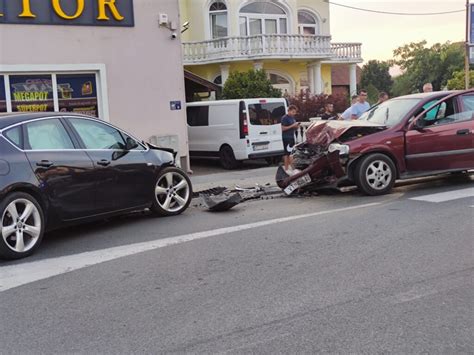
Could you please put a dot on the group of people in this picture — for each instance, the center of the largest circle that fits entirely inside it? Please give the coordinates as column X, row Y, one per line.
column 359, row 105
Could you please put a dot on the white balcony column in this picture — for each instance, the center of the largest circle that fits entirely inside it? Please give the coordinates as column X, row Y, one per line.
column 311, row 78
column 258, row 65
column 224, row 73
column 353, row 79
column 317, row 78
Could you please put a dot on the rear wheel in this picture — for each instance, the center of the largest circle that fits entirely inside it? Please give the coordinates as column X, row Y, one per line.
column 227, row 158
column 375, row 174
column 173, row 192
column 22, row 225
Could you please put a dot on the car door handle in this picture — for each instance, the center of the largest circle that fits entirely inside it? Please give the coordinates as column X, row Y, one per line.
column 44, row 163
column 103, row 162
column 463, row 132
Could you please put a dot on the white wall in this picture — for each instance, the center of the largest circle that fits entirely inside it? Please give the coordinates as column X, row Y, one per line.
column 143, row 65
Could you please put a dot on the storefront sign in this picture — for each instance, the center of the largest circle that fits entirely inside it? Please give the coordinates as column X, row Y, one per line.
column 471, row 24
column 31, row 93
column 67, row 12
column 77, row 93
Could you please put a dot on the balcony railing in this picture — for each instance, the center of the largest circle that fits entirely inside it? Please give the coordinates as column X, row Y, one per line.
column 279, row 46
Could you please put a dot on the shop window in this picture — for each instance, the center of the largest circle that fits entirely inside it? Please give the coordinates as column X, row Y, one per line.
column 31, row 93
column 78, row 93
column 3, row 96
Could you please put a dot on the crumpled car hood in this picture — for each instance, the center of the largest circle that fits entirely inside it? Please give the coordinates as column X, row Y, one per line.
column 323, row 133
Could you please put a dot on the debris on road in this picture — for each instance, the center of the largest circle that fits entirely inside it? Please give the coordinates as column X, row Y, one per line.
column 221, row 202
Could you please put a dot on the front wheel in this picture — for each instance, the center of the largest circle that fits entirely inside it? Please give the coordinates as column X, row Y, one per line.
column 173, row 192
column 375, row 174
column 21, row 225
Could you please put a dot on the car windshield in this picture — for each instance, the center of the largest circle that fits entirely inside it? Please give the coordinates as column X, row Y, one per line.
column 391, row 112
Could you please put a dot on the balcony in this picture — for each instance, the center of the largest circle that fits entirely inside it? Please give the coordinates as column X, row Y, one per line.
column 275, row 46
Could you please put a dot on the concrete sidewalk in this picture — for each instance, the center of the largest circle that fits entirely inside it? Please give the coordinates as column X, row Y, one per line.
column 229, row 179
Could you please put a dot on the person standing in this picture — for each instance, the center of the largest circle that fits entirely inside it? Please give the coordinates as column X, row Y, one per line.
column 328, row 112
column 360, row 106
column 346, row 115
column 288, row 128
column 428, row 87
column 383, row 96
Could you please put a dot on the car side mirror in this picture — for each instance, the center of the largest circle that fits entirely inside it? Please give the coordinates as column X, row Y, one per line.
column 130, row 144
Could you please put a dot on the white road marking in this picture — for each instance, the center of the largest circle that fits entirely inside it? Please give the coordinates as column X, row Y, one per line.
column 446, row 196
column 22, row 274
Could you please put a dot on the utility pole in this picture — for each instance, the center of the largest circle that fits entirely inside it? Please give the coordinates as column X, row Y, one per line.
column 466, row 59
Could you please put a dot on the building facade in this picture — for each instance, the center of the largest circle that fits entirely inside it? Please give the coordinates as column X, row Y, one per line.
column 290, row 39
column 110, row 59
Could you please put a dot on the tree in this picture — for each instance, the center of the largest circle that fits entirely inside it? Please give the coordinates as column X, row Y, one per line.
column 376, row 73
column 310, row 105
column 457, row 81
column 401, row 85
column 435, row 64
column 250, row 84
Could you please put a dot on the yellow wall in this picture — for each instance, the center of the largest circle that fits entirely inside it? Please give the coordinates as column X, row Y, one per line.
column 294, row 69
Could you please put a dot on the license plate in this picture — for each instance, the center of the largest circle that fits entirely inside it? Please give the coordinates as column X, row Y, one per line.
column 260, row 147
column 302, row 181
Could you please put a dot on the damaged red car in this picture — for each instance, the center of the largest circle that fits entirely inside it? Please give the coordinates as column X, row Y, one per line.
column 405, row 137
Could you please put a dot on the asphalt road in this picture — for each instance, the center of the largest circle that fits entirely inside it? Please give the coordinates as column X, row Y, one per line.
column 335, row 273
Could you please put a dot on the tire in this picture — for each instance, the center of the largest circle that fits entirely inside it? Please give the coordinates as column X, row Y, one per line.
column 227, row 158
column 22, row 219
column 375, row 174
column 173, row 192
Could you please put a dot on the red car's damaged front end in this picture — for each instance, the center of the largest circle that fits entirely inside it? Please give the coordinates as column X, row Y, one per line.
column 323, row 159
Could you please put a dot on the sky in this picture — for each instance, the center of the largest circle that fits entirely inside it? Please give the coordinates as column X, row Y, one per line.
column 380, row 34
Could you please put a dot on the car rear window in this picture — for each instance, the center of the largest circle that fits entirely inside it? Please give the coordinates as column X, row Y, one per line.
column 266, row 114
column 14, row 136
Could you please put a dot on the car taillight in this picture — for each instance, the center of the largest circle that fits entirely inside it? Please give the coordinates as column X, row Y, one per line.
column 245, row 126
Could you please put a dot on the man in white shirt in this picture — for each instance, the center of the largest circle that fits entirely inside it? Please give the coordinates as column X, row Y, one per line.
column 346, row 115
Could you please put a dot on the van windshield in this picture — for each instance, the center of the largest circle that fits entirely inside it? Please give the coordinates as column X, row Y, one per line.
column 266, row 114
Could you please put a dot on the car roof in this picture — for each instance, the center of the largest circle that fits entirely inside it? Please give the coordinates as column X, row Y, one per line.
column 9, row 119
column 428, row 95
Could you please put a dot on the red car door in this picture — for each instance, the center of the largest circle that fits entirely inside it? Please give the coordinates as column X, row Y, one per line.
column 444, row 141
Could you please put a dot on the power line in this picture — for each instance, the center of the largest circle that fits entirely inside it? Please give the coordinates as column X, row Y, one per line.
column 396, row 13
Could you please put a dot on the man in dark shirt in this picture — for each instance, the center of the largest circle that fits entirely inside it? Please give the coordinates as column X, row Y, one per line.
column 329, row 112
column 288, row 128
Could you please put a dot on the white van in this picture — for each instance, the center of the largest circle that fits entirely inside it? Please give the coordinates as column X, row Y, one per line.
column 236, row 130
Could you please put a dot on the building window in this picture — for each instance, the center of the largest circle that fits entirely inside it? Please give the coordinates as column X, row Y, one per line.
column 34, row 93
column 31, row 93
column 261, row 17
column 77, row 93
column 307, row 23
column 218, row 19
column 3, row 96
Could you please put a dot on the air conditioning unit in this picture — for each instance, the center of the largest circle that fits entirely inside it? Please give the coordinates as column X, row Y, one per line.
column 171, row 141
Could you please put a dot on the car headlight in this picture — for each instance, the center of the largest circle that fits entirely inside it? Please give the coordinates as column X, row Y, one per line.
column 342, row 148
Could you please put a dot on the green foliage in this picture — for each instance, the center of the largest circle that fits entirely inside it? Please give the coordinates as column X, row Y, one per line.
column 247, row 85
column 457, row 81
column 435, row 64
column 377, row 74
column 310, row 105
column 402, row 85
column 372, row 94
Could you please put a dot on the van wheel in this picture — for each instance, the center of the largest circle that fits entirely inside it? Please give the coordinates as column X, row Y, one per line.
column 227, row 158
column 375, row 174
